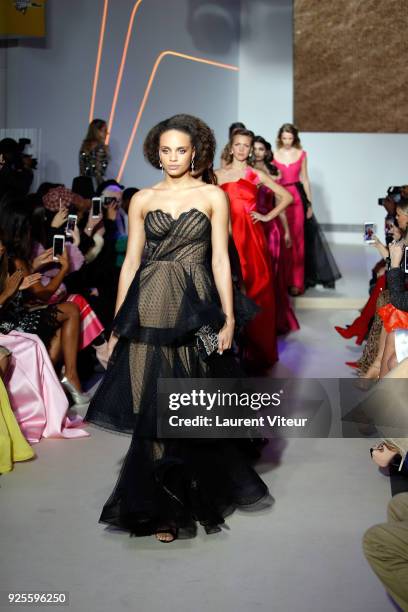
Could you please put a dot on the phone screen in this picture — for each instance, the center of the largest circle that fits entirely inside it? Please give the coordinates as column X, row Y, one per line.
column 58, row 245
column 369, row 232
column 109, row 200
column 71, row 223
column 96, row 207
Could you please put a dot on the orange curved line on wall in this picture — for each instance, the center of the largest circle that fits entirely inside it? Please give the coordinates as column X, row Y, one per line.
column 160, row 57
column 98, row 59
column 122, row 66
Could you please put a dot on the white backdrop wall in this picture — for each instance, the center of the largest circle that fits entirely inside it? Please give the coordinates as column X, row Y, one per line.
column 50, row 83
column 49, row 87
column 349, row 172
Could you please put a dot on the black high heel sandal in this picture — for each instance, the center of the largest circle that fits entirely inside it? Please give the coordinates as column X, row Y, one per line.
column 172, row 532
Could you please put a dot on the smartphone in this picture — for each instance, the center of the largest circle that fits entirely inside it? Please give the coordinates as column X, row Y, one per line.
column 369, row 232
column 58, row 245
column 96, row 207
column 108, row 200
column 406, row 260
column 71, row 224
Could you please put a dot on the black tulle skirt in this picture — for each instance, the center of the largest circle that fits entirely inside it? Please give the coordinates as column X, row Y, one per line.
column 320, row 265
column 171, row 484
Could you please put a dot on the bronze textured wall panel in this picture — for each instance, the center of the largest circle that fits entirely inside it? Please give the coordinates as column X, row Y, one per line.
column 351, row 65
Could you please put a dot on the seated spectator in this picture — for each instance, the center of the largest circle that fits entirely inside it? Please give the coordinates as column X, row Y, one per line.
column 111, row 193
column 386, row 549
column 36, row 395
column 13, row 445
column 57, row 326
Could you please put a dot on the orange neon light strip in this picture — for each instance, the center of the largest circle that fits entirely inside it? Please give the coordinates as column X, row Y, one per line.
column 162, row 55
column 122, row 67
column 98, row 59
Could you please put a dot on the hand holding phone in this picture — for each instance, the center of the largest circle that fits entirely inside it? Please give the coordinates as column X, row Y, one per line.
column 96, row 207
column 71, row 224
column 369, row 232
column 58, row 246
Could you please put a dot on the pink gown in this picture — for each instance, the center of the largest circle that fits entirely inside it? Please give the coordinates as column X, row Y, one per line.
column 290, row 175
column 275, row 236
column 36, row 396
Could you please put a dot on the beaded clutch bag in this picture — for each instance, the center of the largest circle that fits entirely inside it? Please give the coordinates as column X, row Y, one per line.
column 207, row 341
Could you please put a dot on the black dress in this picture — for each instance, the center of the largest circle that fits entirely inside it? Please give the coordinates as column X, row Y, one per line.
column 320, row 266
column 170, row 484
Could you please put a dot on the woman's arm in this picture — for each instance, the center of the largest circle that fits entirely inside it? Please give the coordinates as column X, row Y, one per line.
column 381, row 248
column 221, row 265
column 283, row 196
column 135, row 245
column 38, row 290
column 133, row 258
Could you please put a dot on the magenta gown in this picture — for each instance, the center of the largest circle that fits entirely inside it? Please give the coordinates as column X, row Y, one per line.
column 275, row 236
column 290, row 175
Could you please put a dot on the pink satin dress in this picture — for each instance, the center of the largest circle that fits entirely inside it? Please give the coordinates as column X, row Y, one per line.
column 35, row 393
column 290, row 174
column 275, row 236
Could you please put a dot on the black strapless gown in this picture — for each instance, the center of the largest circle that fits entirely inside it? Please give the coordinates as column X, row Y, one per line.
column 171, row 484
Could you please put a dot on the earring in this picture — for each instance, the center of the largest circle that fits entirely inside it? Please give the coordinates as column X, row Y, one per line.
column 161, row 166
column 192, row 163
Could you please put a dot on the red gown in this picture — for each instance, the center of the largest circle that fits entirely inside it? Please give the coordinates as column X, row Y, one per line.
column 250, row 241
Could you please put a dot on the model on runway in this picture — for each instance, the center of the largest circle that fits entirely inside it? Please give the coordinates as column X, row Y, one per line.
column 240, row 181
column 166, row 485
column 310, row 260
column 278, row 237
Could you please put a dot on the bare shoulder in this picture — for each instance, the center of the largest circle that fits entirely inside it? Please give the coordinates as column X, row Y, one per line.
column 140, row 200
column 217, row 199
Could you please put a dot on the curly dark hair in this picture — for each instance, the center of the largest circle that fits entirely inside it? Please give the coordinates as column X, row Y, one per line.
column 202, row 139
column 292, row 129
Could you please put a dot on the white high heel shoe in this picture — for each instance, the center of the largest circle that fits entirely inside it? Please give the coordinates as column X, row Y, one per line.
column 78, row 397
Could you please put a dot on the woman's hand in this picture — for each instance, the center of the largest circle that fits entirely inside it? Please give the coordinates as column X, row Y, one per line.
column 226, row 336
column 256, row 216
column 309, row 212
column 31, row 279
column 396, row 252
column 288, row 239
column 45, row 258
column 112, row 343
column 112, row 211
column 60, row 218
column 92, row 223
column 13, row 283
column 63, row 260
column 381, row 248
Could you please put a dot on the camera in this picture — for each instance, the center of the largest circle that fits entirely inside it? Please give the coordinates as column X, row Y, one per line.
column 16, row 155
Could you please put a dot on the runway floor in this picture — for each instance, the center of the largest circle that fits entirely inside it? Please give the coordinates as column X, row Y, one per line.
column 302, row 554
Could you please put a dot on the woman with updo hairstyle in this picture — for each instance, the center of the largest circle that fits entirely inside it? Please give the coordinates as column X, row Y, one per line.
column 241, row 182
column 310, row 261
column 174, row 319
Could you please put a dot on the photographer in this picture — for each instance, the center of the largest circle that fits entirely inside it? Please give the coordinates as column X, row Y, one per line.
column 16, row 172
